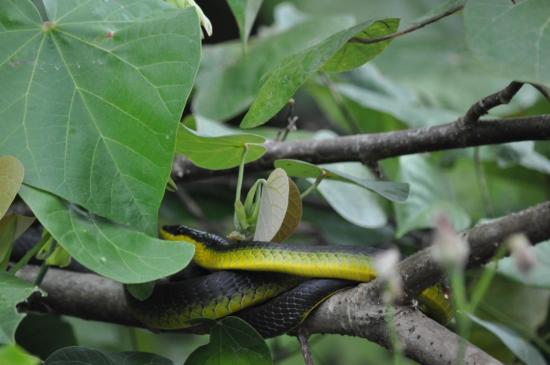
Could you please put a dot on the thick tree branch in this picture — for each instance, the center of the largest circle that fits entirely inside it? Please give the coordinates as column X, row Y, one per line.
column 377, row 146
column 355, row 312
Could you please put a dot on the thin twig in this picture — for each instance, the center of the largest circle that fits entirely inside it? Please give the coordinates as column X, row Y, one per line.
column 483, row 106
column 291, row 121
column 304, row 346
column 412, row 28
column 543, row 90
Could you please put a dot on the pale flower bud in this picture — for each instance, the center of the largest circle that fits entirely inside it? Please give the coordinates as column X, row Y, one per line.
column 205, row 22
column 385, row 265
column 448, row 248
column 522, row 252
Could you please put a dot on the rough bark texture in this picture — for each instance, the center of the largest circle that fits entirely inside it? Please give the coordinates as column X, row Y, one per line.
column 377, row 146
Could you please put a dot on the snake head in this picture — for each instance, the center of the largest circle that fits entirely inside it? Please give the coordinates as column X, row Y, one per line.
column 184, row 233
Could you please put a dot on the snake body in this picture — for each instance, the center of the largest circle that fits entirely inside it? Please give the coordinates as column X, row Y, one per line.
column 271, row 270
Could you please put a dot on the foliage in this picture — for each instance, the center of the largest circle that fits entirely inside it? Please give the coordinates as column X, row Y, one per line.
column 93, row 112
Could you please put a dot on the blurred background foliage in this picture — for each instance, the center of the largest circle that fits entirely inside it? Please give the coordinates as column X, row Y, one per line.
column 421, row 79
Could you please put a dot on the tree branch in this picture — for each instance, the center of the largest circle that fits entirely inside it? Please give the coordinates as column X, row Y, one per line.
column 410, row 29
column 356, row 312
column 377, row 146
column 483, row 106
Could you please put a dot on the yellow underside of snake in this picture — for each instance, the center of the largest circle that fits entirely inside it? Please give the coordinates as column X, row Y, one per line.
column 277, row 268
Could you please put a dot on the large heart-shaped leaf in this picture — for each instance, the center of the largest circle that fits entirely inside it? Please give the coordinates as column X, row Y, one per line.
column 107, row 248
column 11, row 176
column 511, row 38
column 91, row 97
column 12, row 291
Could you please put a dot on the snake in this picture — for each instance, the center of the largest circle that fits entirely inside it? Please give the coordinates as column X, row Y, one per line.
column 272, row 286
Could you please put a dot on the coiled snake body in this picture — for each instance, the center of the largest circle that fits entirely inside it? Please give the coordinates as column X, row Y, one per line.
column 254, row 273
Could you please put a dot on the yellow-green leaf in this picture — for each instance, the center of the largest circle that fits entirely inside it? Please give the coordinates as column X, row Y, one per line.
column 293, row 214
column 273, row 205
column 11, row 177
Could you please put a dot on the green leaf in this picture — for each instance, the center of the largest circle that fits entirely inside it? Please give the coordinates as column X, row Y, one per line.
column 539, row 276
column 273, row 205
column 91, row 99
column 293, row 214
column 86, row 356
column 229, row 79
column 354, row 54
column 430, row 195
column 15, row 355
column 220, row 152
column 518, row 153
column 245, row 12
column 497, row 31
column 107, row 248
column 11, row 227
column 59, row 257
column 12, row 292
column 521, row 348
column 232, row 341
column 283, row 82
column 401, row 106
column 78, row 355
column 351, row 201
column 141, row 291
column 394, row 191
column 138, row 358
column 34, row 334
column 11, row 177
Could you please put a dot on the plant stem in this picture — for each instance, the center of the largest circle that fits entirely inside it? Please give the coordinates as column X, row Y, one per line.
column 30, row 253
column 485, row 280
column 44, row 267
column 240, row 177
column 313, row 186
column 459, row 295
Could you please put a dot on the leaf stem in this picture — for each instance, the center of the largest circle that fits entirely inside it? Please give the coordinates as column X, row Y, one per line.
column 44, row 267
column 485, row 280
column 240, row 177
column 313, row 186
column 30, row 253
